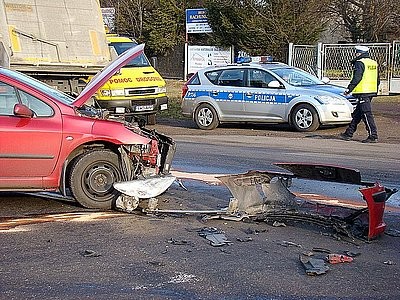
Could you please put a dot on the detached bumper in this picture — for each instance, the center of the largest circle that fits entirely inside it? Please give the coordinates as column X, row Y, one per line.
column 267, row 195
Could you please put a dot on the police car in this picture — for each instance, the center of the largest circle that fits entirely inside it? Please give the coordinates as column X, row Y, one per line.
column 263, row 93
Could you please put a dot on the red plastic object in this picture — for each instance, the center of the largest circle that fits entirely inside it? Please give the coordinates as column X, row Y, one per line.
column 338, row 258
column 375, row 197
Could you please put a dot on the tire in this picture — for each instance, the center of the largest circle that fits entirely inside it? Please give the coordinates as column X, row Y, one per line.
column 206, row 117
column 151, row 119
column 304, row 118
column 92, row 177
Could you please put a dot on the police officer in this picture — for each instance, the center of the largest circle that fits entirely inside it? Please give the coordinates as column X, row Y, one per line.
column 363, row 86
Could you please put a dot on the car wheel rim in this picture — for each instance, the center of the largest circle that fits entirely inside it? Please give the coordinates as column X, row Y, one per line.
column 205, row 117
column 99, row 179
column 304, row 118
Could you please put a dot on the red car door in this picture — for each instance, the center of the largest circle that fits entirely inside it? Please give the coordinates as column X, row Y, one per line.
column 29, row 147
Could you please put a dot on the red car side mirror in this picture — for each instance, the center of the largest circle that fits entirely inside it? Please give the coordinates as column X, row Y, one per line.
column 22, row 110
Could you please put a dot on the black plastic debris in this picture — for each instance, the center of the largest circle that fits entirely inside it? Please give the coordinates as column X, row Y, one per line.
column 243, row 240
column 179, row 242
column 313, row 266
column 90, row 253
column 216, row 236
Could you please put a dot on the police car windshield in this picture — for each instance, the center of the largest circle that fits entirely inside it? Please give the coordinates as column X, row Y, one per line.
column 140, row 61
column 297, row 77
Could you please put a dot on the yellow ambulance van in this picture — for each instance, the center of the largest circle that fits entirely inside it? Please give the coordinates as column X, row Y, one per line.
column 137, row 90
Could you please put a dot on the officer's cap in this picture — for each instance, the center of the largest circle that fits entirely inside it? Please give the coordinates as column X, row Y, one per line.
column 361, row 49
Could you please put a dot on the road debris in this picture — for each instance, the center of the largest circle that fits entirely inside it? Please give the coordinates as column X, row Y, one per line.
column 278, row 224
column 334, row 258
column 179, row 242
column 289, row 244
column 216, row 236
column 352, row 254
column 243, row 240
column 90, row 253
column 265, row 195
column 313, row 266
column 389, row 262
column 323, row 250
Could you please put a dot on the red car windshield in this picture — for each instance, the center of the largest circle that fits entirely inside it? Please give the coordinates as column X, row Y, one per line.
column 40, row 86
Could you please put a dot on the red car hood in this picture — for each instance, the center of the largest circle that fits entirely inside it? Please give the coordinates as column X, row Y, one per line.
column 102, row 77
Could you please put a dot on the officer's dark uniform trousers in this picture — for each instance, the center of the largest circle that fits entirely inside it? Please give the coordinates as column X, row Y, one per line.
column 363, row 112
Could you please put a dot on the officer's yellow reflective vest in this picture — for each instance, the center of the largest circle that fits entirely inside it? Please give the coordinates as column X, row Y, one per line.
column 369, row 81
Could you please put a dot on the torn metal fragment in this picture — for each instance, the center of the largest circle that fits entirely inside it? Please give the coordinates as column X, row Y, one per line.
column 216, row 236
column 313, row 266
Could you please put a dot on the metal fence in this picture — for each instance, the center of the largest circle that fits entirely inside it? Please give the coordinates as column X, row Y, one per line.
column 172, row 65
column 333, row 61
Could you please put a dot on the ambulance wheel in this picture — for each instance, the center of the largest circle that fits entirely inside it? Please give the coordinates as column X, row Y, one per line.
column 304, row 118
column 206, row 117
column 92, row 177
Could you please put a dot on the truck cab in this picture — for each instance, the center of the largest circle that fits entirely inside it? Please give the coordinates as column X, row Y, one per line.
column 137, row 90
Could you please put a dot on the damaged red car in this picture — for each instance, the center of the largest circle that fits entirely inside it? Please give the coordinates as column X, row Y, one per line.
column 50, row 141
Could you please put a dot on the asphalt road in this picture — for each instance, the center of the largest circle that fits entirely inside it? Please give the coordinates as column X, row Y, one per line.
column 56, row 250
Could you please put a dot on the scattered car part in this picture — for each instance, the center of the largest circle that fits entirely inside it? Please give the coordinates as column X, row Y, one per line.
column 313, row 266
column 266, row 195
column 216, row 236
column 334, row 258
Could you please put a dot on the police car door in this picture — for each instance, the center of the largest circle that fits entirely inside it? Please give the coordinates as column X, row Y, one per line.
column 261, row 102
column 228, row 93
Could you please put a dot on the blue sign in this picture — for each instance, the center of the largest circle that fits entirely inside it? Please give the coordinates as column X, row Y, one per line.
column 197, row 21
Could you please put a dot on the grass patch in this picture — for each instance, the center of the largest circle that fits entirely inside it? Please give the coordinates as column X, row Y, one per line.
column 388, row 99
column 174, row 93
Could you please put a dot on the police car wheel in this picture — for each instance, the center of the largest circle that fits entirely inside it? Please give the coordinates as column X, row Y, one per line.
column 304, row 118
column 206, row 117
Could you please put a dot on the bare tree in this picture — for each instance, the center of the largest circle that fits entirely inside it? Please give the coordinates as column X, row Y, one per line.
column 368, row 20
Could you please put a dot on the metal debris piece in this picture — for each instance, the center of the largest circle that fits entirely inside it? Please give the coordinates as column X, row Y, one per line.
column 216, row 236
column 253, row 231
column 308, row 253
column 289, row 244
column 334, row 258
column 352, row 254
column 180, row 183
column 323, row 250
column 266, row 193
column 313, row 266
column 181, row 242
column 246, row 239
column 90, row 253
column 278, row 224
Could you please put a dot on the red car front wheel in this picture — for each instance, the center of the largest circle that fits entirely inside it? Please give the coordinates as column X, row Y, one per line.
column 92, row 177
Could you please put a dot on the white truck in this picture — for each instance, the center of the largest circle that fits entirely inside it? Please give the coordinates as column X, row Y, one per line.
column 56, row 41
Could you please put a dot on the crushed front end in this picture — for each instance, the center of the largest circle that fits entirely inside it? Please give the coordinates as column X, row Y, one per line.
column 145, row 168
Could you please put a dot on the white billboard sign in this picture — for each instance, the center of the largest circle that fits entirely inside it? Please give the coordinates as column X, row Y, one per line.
column 199, row 57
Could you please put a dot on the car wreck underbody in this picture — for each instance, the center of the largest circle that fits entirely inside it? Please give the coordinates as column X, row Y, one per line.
column 266, row 196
